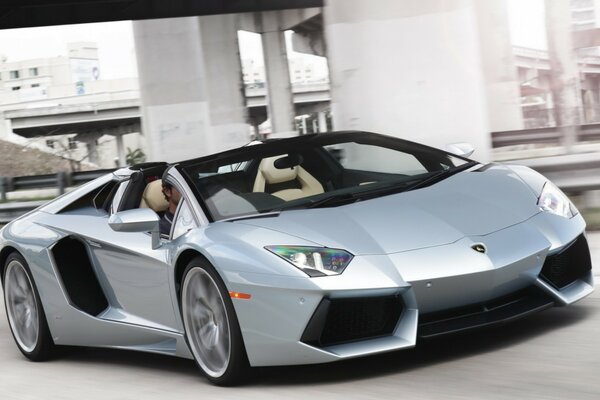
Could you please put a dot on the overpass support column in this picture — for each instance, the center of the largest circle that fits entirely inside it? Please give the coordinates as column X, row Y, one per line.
column 280, row 102
column 322, row 117
column 502, row 86
column 412, row 69
column 191, row 86
column 91, row 144
column 120, row 150
column 566, row 87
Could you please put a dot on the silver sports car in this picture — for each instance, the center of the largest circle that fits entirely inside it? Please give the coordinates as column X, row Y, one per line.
column 293, row 251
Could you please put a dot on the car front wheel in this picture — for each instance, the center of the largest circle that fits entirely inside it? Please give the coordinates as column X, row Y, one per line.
column 211, row 327
column 24, row 310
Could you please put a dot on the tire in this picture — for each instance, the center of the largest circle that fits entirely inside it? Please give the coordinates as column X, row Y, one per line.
column 24, row 310
column 211, row 327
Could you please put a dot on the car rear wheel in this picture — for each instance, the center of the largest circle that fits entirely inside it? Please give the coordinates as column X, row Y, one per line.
column 24, row 310
column 211, row 327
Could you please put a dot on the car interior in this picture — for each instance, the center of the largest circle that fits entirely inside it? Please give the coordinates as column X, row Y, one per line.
column 288, row 183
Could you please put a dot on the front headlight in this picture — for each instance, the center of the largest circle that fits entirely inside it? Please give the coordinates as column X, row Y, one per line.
column 554, row 200
column 314, row 261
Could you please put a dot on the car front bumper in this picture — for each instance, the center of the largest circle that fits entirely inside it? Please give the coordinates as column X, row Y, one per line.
column 452, row 287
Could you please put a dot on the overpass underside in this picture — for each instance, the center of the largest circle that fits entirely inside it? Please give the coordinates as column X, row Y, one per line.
column 30, row 13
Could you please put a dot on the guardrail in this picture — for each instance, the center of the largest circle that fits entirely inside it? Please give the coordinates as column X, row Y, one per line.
column 542, row 136
column 573, row 173
column 12, row 210
column 60, row 181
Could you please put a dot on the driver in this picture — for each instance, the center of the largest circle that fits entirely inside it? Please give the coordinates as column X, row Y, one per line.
column 173, row 196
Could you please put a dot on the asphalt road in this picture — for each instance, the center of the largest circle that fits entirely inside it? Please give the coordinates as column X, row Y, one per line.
column 551, row 355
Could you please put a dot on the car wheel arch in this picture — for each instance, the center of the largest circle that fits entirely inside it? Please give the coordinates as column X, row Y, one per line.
column 4, row 253
column 182, row 262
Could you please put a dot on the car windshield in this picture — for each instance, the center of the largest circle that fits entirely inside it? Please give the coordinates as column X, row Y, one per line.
column 314, row 171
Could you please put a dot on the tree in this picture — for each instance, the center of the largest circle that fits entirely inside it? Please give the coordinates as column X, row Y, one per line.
column 135, row 156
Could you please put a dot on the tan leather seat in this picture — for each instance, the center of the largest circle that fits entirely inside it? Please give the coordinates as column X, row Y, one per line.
column 269, row 175
column 153, row 197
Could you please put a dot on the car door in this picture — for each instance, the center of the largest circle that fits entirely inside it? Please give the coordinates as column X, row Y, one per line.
column 134, row 275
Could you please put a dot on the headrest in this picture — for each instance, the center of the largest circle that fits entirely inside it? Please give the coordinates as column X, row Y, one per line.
column 273, row 175
column 153, row 197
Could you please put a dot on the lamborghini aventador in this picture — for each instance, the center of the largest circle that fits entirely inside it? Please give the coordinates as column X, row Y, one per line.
column 293, row 251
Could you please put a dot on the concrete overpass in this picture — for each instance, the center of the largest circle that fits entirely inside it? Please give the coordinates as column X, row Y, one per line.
column 190, row 70
column 119, row 114
column 29, row 13
column 98, row 114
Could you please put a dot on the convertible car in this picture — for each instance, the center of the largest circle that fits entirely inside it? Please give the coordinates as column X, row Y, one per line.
column 292, row 251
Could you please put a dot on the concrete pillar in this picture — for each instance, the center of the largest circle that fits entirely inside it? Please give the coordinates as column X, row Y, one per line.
column 502, row 86
column 191, row 86
column 225, row 85
column 120, row 150
column 566, row 87
column 304, row 128
column 596, row 96
column 280, row 101
column 91, row 144
column 408, row 68
column 5, row 129
column 322, row 117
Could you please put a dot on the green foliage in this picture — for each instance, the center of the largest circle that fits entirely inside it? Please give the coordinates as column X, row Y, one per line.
column 135, row 156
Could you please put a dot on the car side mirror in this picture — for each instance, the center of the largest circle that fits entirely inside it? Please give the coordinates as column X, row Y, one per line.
column 460, row 149
column 137, row 220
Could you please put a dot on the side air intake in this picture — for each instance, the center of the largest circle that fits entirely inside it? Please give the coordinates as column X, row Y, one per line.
column 78, row 277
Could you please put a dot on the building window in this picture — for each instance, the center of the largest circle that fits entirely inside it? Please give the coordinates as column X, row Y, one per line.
column 16, row 88
column 50, row 143
column 72, row 143
column 582, row 3
column 35, row 85
column 33, row 71
column 14, row 75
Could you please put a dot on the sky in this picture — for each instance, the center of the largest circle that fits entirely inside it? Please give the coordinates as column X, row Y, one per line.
column 116, row 44
column 526, row 21
column 114, row 39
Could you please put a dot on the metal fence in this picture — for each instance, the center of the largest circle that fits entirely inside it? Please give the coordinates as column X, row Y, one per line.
column 60, row 181
column 550, row 135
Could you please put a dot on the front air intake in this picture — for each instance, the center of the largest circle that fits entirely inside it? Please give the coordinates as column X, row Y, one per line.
column 338, row 321
column 569, row 264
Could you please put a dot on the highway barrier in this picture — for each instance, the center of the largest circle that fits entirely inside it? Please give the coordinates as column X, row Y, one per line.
column 60, row 181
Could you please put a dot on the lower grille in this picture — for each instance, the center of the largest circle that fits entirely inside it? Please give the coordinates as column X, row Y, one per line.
column 497, row 311
column 338, row 321
column 570, row 264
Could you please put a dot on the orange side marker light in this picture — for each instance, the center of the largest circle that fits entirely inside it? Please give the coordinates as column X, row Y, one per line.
column 238, row 295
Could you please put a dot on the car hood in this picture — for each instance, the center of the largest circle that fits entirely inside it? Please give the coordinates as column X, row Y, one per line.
column 471, row 203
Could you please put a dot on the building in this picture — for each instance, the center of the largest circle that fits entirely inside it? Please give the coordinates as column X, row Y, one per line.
column 65, row 82
column 43, row 78
column 585, row 14
column 302, row 71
